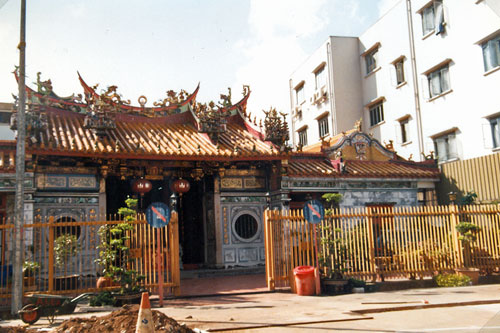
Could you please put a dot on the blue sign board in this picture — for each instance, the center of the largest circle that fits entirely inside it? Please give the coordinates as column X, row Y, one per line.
column 314, row 211
column 158, row 214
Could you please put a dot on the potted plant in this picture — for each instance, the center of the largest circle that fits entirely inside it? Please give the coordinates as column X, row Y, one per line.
column 108, row 255
column 66, row 246
column 333, row 254
column 468, row 235
column 29, row 270
column 115, row 258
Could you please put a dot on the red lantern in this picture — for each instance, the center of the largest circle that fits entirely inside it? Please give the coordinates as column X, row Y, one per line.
column 142, row 186
column 181, row 186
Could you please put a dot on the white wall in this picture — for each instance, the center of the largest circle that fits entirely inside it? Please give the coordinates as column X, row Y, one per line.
column 391, row 31
column 344, row 93
column 473, row 94
column 347, row 92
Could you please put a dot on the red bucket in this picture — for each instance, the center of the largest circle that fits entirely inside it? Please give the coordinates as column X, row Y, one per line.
column 304, row 280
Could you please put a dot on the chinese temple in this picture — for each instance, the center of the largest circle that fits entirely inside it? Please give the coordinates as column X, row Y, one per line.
column 86, row 153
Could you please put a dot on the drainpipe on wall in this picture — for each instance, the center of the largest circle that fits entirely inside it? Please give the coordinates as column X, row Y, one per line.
column 416, row 93
column 292, row 120
column 330, row 89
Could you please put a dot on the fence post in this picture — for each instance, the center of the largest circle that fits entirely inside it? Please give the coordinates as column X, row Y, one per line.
column 268, row 248
column 458, row 249
column 51, row 253
column 371, row 243
column 176, row 271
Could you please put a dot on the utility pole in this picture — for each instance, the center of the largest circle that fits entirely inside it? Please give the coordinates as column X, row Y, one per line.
column 17, row 290
column 416, row 94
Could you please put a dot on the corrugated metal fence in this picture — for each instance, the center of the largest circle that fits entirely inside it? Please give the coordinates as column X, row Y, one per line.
column 481, row 174
column 381, row 242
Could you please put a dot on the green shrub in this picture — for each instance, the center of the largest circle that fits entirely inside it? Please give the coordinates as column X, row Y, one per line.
column 452, row 280
column 103, row 298
column 356, row 283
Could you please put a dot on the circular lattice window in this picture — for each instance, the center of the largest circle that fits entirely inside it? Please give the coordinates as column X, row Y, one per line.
column 67, row 228
column 246, row 227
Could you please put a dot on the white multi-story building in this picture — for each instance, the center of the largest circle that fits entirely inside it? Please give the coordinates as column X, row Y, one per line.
column 426, row 75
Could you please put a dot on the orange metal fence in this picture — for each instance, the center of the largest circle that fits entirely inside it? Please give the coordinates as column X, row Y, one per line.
column 381, row 242
column 60, row 257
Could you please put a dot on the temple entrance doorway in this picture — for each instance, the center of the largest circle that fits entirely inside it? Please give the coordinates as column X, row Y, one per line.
column 118, row 190
column 191, row 226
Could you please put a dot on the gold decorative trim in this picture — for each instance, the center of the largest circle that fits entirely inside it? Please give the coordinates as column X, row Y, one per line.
column 231, row 183
column 226, row 237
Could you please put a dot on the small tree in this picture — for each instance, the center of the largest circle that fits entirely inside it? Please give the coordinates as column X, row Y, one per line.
column 334, row 254
column 30, row 268
column 66, row 247
column 116, row 254
column 468, row 231
column 333, row 257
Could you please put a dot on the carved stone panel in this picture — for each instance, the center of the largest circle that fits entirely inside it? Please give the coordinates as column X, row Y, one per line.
column 243, row 231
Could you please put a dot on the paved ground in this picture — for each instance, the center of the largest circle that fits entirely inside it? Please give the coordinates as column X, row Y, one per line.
column 211, row 282
column 464, row 309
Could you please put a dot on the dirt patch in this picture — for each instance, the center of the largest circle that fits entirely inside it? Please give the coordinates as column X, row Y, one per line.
column 119, row 321
column 18, row 329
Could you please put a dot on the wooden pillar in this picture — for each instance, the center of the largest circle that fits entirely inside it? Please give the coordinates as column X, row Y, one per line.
column 176, row 270
column 218, row 224
column 102, row 192
column 51, row 253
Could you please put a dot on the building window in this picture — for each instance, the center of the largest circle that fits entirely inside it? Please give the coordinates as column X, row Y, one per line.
column 433, row 18
column 400, row 73
column 376, row 114
column 323, row 127
column 303, row 137
column 491, row 53
column 495, row 131
column 371, row 60
column 439, row 81
column 5, row 117
column 320, row 77
column 405, row 130
column 299, row 94
column 446, row 147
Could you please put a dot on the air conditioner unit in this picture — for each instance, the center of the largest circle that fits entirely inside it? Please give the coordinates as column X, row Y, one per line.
column 317, row 96
column 297, row 111
column 324, row 92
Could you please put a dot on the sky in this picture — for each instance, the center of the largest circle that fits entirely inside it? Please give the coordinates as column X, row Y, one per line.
column 148, row 47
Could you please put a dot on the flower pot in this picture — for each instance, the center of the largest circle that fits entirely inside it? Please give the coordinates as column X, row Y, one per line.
column 472, row 273
column 131, row 298
column 69, row 282
column 333, row 287
column 29, row 281
column 104, row 282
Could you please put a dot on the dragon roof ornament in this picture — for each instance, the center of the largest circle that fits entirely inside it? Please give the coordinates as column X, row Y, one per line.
column 276, row 128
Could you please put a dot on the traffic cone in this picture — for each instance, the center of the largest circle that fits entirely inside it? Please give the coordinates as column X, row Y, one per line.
column 145, row 318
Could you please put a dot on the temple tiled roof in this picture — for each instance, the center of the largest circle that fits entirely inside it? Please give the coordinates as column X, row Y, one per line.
column 360, row 169
column 171, row 137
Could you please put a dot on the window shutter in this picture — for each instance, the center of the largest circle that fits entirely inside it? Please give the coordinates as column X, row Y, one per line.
column 496, row 51
column 452, row 146
column 392, row 75
column 408, row 131
column 439, row 18
column 425, row 87
column 440, row 144
column 487, row 136
column 397, row 127
column 445, row 79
